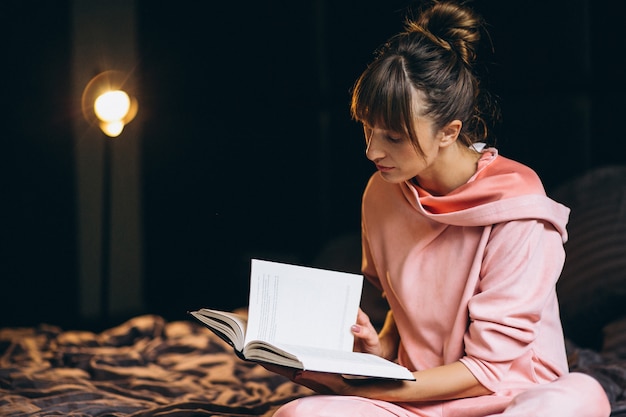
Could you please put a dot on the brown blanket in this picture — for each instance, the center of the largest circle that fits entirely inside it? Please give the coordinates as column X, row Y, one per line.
column 144, row 367
column 149, row 367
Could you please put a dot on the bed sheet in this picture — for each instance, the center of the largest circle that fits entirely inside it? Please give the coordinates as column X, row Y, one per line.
column 143, row 367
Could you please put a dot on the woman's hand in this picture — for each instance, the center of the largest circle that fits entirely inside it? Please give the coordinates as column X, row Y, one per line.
column 384, row 344
column 320, row 382
column 365, row 335
column 334, row 384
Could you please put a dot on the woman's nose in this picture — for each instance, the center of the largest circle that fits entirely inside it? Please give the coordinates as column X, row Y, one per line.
column 373, row 151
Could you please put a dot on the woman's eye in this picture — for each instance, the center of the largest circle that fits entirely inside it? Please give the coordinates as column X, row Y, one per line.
column 394, row 139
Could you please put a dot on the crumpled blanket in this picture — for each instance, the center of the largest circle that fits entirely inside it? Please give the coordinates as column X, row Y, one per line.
column 143, row 367
column 150, row 367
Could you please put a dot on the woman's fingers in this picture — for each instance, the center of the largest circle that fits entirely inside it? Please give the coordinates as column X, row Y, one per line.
column 366, row 336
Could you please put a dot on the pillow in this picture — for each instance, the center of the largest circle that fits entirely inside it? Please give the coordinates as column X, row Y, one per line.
column 592, row 287
column 614, row 341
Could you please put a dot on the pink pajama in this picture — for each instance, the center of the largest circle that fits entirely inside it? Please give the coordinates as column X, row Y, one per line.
column 572, row 395
column 471, row 276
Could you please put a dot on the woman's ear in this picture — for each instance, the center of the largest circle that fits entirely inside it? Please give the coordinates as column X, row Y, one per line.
column 450, row 132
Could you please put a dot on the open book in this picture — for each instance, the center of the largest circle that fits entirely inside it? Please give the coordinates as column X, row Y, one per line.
column 300, row 317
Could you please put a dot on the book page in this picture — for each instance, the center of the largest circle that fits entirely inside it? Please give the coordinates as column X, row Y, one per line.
column 349, row 363
column 305, row 306
column 231, row 327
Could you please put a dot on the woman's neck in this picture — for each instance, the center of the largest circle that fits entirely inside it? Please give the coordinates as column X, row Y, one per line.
column 455, row 165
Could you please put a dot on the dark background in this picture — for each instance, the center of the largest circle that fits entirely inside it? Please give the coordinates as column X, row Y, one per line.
column 247, row 144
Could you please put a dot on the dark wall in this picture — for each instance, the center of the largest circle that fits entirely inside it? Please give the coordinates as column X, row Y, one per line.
column 558, row 74
column 247, row 145
column 37, row 202
column 255, row 153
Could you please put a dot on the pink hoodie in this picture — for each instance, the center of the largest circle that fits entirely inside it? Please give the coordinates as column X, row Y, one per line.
column 471, row 275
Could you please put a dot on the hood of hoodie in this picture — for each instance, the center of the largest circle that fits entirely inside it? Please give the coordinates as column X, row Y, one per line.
column 501, row 190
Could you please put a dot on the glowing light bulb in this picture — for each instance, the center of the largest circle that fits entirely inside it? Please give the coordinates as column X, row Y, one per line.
column 108, row 101
column 112, row 129
column 112, row 107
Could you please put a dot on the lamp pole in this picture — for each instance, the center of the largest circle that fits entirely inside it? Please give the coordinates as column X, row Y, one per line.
column 105, row 250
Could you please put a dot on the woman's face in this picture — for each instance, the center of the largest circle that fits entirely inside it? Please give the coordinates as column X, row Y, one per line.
column 394, row 155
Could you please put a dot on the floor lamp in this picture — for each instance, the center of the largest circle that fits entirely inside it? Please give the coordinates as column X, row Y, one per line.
column 107, row 103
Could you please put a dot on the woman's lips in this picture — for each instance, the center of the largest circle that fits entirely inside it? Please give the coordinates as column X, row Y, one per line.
column 382, row 168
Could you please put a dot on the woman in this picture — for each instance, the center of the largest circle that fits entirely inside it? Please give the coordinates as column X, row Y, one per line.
column 464, row 243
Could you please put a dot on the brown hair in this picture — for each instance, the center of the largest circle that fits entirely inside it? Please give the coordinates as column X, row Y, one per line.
column 435, row 56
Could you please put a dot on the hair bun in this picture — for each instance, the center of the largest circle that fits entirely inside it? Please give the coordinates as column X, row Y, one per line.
column 451, row 25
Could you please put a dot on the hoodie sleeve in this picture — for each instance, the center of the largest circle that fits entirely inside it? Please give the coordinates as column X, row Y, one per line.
column 521, row 265
column 367, row 265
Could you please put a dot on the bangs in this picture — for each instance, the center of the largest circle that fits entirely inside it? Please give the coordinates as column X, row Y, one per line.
column 382, row 96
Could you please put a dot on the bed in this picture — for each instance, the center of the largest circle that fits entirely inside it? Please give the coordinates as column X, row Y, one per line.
column 148, row 366
column 143, row 367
